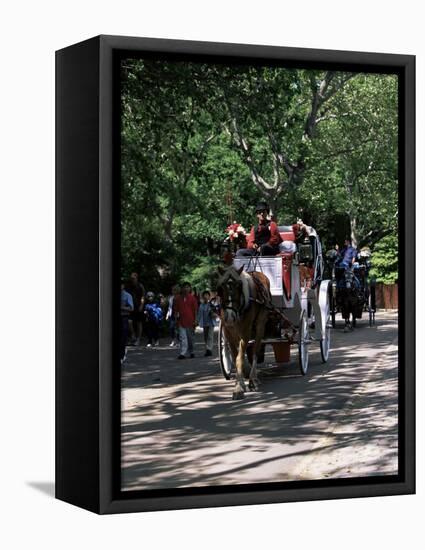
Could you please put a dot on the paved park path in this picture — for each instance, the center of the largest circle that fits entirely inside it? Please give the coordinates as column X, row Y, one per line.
column 180, row 426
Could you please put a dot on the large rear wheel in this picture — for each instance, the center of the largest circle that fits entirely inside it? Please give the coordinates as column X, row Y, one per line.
column 325, row 341
column 303, row 343
column 224, row 354
column 333, row 309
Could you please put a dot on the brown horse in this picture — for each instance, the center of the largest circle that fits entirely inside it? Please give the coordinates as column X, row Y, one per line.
column 245, row 299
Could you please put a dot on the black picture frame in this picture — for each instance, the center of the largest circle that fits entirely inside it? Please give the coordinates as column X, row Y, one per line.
column 87, row 217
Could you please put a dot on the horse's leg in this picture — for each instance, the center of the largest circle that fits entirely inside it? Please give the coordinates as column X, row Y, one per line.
column 233, row 344
column 254, row 383
column 347, row 326
column 345, row 311
column 240, row 388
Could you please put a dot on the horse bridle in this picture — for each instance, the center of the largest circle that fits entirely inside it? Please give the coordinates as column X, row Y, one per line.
column 228, row 304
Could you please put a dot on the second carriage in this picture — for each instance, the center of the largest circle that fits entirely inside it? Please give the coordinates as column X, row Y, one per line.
column 300, row 298
column 353, row 290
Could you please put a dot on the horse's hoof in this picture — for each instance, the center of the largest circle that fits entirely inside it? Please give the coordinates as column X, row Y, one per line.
column 237, row 395
column 253, row 386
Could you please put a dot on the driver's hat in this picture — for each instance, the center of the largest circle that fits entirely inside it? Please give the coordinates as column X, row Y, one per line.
column 262, row 206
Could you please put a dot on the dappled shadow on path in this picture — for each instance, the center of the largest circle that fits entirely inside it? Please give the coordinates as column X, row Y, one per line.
column 180, row 427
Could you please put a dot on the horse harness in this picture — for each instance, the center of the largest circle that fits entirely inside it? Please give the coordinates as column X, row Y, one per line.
column 264, row 299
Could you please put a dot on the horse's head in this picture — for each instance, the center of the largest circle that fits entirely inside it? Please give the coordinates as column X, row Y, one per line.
column 231, row 292
column 349, row 278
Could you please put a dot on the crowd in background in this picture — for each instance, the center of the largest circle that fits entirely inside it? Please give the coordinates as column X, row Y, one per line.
column 147, row 317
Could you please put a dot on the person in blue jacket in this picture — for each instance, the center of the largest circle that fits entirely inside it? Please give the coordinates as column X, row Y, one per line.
column 153, row 316
column 206, row 321
column 346, row 258
column 348, row 254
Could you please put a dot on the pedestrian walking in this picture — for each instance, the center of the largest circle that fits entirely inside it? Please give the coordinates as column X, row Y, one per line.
column 206, row 322
column 215, row 306
column 185, row 309
column 170, row 316
column 153, row 317
column 126, row 310
column 195, row 293
column 137, row 291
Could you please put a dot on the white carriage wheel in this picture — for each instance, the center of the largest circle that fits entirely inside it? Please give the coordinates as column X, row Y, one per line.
column 224, row 354
column 303, row 343
column 325, row 342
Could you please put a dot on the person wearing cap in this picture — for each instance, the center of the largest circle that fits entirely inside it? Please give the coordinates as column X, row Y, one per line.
column 264, row 238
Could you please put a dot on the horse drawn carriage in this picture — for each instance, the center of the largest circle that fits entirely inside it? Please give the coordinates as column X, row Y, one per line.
column 353, row 291
column 297, row 313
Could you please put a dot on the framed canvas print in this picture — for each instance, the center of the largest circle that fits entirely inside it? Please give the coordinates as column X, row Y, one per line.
column 235, row 274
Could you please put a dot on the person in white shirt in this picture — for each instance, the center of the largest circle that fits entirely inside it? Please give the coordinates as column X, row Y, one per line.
column 170, row 318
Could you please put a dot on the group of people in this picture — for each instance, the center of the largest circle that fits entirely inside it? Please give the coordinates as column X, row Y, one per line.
column 182, row 312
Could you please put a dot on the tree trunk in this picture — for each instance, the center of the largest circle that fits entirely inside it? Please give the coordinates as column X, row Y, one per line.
column 353, row 230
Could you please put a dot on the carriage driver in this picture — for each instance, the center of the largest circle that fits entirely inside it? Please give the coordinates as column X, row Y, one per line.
column 347, row 256
column 264, row 238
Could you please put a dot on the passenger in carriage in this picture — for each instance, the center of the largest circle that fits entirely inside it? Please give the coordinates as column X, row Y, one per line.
column 264, row 238
column 301, row 231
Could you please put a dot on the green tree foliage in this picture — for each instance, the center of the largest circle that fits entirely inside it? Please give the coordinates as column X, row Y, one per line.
column 385, row 262
column 202, row 143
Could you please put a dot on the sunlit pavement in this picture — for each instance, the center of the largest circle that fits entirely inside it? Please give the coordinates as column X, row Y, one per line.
column 180, row 426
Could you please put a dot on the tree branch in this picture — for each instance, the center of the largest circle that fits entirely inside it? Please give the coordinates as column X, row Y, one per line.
column 322, row 92
column 374, row 236
column 242, row 144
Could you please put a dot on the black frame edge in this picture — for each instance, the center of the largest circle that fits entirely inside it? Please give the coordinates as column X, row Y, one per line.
column 261, row 51
column 77, row 372
column 108, row 398
column 254, row 498
column 407, row 268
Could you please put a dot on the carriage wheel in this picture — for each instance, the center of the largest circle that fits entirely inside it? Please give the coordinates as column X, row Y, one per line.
column 325, row 343
column 333, row 310
column 303, row 343
column 224, row 354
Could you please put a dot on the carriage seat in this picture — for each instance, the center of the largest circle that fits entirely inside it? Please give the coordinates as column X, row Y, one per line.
column 286, row 232
column 287, row 246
